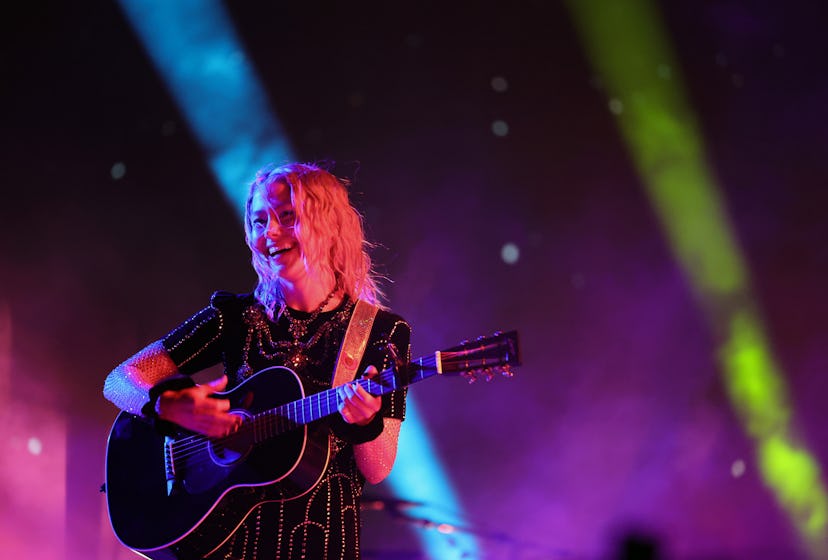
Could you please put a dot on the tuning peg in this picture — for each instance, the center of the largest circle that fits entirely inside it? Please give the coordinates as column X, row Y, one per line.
column 488, row 374
column 471, row 376
column 506, row 371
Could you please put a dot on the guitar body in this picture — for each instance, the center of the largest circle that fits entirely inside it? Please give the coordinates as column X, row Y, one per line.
column 216, row 483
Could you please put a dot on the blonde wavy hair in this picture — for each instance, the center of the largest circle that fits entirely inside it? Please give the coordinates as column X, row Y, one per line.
column 329, row 230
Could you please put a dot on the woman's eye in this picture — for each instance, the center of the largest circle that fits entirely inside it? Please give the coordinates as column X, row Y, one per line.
column 287, row 217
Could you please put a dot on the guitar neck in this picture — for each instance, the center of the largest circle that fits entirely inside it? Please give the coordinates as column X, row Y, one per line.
column 325, row 403
column 483, row 356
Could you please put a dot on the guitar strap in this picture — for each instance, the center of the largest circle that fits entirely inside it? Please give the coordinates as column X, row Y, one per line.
column 353, row 346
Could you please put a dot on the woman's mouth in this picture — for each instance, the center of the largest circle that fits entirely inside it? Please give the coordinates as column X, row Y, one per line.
column 276, row 251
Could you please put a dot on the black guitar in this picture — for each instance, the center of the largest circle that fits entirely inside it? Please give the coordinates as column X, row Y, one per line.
column 182, row 497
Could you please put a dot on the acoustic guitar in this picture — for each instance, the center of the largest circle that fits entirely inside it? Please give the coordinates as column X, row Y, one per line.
column 182, row 496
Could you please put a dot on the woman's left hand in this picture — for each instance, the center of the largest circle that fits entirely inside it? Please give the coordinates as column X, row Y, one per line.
column 356, row 405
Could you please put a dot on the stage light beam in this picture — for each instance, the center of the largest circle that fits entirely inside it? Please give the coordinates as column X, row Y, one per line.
column 628, row 48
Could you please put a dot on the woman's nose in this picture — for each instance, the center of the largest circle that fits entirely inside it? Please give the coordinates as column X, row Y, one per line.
column 274, row 228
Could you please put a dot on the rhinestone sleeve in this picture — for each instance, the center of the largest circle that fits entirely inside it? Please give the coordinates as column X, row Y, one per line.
column 128, row 385
column 190, row 347
column 376, row 458
column 194, row 345
column 399, row 336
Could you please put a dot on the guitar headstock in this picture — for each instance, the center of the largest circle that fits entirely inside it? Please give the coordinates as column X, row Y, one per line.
column 483, row 357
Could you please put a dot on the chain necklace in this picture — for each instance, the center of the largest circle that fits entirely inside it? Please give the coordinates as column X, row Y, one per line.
column 298, row 329
column 284, row 350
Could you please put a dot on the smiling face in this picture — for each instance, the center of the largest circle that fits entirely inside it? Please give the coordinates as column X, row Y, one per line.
column 323, row 249
column 272, row 233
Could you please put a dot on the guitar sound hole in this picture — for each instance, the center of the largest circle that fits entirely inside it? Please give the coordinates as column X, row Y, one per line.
column 235, row 447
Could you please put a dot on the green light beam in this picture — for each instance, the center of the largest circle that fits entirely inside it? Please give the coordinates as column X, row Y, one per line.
column 628, row 48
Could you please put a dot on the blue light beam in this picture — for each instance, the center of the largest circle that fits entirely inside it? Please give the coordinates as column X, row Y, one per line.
column 419, row 477
column 195, row 49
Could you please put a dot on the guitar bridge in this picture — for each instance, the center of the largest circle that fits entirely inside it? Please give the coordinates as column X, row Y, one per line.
column 169, row 466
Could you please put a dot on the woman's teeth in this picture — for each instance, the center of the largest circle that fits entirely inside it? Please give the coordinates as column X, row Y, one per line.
column 273, row 251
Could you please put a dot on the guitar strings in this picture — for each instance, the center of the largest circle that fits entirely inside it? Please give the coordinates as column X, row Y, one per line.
column 267, row 423
column 270, row 422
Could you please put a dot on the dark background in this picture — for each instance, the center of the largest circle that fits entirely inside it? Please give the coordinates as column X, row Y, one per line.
column 618, row 423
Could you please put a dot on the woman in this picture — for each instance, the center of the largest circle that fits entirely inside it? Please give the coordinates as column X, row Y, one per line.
column 309, row 252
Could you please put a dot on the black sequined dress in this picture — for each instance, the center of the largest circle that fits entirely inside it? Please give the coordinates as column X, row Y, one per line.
column 235, row 330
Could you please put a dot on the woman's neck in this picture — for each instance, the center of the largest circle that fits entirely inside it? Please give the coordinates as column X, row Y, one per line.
column 309, row 295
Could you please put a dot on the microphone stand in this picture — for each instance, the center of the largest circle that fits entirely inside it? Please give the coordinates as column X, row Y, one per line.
column 396, row 509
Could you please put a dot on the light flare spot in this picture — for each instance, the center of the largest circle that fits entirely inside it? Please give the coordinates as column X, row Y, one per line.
column 35, row 446
column 510, row 253
column 118, row 170
column 499, row 84
column 500, row 128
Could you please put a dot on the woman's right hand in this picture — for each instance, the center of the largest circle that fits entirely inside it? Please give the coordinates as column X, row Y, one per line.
column 194, row 409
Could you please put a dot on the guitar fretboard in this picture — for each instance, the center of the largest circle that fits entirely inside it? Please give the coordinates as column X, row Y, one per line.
column 286, row 417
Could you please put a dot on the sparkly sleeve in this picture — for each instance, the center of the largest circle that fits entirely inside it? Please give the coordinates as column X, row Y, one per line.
column 398, row 334
column 196, row 343
column 388, row 331
column 128, row 385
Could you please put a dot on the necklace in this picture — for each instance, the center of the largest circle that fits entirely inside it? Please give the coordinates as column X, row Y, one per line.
column 320, row 348
column 298, row 329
